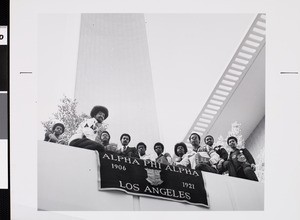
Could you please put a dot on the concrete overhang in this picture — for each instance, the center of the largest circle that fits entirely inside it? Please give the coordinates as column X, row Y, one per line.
column 247, row 104
column 239, row 95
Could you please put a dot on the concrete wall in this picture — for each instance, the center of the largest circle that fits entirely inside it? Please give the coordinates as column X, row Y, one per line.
column 67, row 181
column 256, row 145
column 114, row 70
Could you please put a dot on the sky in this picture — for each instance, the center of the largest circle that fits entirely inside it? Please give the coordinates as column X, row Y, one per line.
column 188, row 54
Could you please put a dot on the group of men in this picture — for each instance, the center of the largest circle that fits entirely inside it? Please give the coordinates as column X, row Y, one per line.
column 91, row 134
column 215, row 159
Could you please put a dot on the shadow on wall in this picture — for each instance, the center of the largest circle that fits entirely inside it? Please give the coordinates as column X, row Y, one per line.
column 256, row 145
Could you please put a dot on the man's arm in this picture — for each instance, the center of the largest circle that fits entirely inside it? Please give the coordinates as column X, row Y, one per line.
column 223, row 157
column 248, row 156
column 50, row 137
column 47, row 138
column 132, row 152
column 223, row 154
column 184, row 161
column 168, row 157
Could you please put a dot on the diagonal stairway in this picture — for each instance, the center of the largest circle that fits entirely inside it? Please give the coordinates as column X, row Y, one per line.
column 233, row 75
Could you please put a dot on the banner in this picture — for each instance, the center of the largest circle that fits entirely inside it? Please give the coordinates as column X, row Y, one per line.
column 148, row 178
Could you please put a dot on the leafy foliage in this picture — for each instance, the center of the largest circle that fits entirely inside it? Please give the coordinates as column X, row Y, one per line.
column 236, row 131
column 66, row 114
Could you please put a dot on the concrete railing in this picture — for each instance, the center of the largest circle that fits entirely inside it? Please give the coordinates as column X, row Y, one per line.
column 67, row 181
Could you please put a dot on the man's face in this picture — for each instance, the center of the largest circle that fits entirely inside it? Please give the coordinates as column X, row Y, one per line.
column 194, row 139
column 180, row 151
column 100, row 117
column 232, row 143
column 125, row 140
column 209, row 141
column 104, row 137
column 141, row 149
column 58, row 130
column 158, row 149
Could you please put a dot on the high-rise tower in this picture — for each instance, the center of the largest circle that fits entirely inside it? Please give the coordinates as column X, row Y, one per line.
column 114, row 70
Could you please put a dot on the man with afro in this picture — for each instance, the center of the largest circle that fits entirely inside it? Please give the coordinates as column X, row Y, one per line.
column 54, row 136
column 181, row 158
column 87, row 131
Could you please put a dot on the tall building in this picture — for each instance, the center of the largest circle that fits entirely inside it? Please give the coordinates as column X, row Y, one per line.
column 114, row 70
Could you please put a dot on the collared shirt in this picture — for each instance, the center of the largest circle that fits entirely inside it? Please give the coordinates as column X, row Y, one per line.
column 184, row 160
column 164, row 159
column 145, row 157
column 194, row 160
column 204, row 154
column 122, row 148
column 191, row 157
column 223, row 153
column 128, row 151
column 235, row 157
column 214, row 157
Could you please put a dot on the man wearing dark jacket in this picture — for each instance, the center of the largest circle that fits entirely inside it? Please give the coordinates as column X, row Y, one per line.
column 242, row 160
column 125, row 150
column 223, row 164
column 104, row 139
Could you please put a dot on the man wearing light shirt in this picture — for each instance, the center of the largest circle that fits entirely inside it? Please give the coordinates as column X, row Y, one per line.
column 141, row 149
column 181, row 158
column 88, row 130
column 162, row 158
column 201, row 159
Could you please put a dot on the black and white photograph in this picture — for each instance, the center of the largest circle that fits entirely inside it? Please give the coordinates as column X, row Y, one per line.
column 150, row 109
column 151, row 112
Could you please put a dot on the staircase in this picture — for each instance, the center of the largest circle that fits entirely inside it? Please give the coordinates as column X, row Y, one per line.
column 236, row 70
